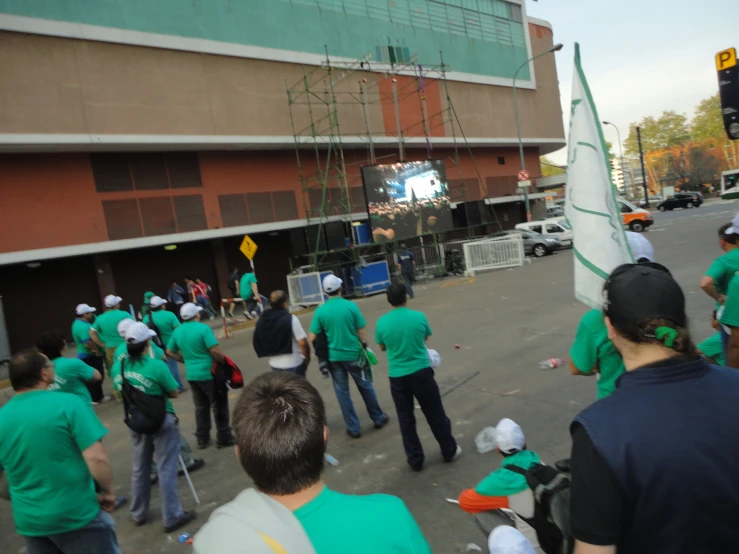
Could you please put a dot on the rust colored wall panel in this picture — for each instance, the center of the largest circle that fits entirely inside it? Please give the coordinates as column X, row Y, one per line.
column 260, row 207
column 149, row 171
column 233, row 210
column 286, row 209
column 190, row 213
column 122, row 219
column 157, row 216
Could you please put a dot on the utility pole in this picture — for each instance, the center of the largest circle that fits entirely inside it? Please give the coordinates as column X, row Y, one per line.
column 643, row 171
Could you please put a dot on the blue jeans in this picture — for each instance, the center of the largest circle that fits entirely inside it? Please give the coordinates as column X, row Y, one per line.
column 164, row 445
column 340, row 372
column 97, row 537
column 300, row 369
column 174, row 369
column 206, row 305
column 408, row 280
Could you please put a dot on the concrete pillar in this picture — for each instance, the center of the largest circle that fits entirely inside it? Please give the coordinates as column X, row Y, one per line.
column 105, row 277
column 222, row 270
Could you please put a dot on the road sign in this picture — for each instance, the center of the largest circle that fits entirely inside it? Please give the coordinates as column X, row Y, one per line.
column 523, row 175
column 248, row 247
column 728, row 86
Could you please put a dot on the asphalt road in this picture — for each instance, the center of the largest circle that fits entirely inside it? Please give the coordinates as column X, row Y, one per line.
column 505, row 323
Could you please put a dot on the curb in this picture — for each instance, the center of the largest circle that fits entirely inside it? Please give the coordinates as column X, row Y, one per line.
column 242, row 325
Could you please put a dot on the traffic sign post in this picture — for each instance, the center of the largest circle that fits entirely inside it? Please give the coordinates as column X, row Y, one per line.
column 523, row 175
column 248, row 247
column 728, row 86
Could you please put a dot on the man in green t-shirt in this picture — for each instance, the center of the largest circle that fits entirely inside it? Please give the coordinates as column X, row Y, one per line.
column 343, row 325
column 402, row 333
column 194, row 344
column 70, row 374
column 54, row 461
column 87, row 350
column 281, row 434
column 248, row 291
column 105, row 329
column 164, row 323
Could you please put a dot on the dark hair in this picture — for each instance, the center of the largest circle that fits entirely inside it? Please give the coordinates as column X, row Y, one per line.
column 173, row 282
column 248, row 268
column 649, row 332
column 730, row 238
column 25, row 369
column 512, row 452
column 397, row 294
column 51, row 344
column 136, row 351
column 334, row 293
column 279, row 424
column 277, row 299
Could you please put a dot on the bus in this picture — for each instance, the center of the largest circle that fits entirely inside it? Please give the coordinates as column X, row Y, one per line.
column 730, row 184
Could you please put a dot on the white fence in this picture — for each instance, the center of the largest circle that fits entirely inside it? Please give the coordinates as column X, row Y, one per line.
column 495, row 253
column 305, row 289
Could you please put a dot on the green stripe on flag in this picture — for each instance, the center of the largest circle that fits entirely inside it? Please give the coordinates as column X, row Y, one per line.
column 590, row 265
column 583, row 210
column 587, row 144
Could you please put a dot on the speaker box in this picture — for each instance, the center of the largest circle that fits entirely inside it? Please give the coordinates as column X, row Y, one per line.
column 473, row 213
column 316, row 243
column 459, row 216
column 335, row 235
column 298, row 242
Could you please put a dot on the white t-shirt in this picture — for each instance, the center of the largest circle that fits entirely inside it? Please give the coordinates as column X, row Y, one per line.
column 287, row 361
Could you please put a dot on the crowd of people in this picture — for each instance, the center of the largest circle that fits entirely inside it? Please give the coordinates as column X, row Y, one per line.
column 430, row 215
column 653, row 459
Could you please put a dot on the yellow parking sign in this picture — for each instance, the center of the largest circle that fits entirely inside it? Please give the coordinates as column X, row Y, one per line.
column 726, row 59
column 248, row 247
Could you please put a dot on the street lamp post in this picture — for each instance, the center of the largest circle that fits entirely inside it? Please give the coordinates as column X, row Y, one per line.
column 555, row 48
column 621, row 150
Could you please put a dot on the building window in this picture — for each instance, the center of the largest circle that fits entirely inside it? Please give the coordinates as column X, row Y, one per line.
column 164, row 215
column 501, row 160
column 145, row 171
column 515, row 12
column 258, row 207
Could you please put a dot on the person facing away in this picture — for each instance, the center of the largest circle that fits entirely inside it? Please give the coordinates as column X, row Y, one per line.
column 54, row 461
column 250, row 293
column 407, row 268
column 402, row 333
column 654, row 465
column 194, row 344
column 504, row 488
column 176, row 294
column 105, row 329
column 70, row 374
column 234, row 286
column 87, row 350
column 202, row 297
column 152, row 376
column 144, row 309
column 281, row 435
column 343, row 324
column 164, row 322
column 593, row 353
column 280, row 337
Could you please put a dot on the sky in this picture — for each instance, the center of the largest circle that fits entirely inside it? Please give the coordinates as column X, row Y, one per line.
column 640, row 57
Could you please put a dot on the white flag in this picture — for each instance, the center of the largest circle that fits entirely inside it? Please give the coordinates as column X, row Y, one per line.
column 599, row 244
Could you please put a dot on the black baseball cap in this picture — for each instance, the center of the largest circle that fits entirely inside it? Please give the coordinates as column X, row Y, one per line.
column 636, row 293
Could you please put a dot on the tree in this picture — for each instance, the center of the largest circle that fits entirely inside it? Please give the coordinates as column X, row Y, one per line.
column 668, row 130
column 549, row 168
column 708, row 122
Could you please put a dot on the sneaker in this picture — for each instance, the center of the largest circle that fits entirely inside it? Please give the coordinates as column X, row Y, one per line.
column 226, row 443
column 456, row 456
column 417, row 467
column 104, row 399
column 248, row 315
column 231, row 315
column 353, row 434
column 383, row 422
column 120, row 501
column 202, row 445
column 186, row 518
column 140, row 523
column 196, row 464
column 212, row 317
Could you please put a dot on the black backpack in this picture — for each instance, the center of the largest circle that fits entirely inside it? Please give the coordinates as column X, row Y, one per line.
column 142, row 413
column 551, row 519
column 153, row 326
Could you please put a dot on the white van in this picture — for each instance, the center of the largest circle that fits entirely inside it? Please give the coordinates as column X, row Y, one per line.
column 556, row 227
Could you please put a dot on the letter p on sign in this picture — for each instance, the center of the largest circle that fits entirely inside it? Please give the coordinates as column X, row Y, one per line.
column 726, row 59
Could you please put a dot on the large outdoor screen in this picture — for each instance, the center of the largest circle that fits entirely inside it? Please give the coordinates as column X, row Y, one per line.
column 407, row 199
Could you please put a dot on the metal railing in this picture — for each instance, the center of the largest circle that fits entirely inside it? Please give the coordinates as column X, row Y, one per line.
column 496, row 253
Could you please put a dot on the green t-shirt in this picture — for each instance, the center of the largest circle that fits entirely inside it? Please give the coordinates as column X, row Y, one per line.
column 194, row 340
column 121, row 352
column 403, row 332
column 106, row 325
column 340, row 319
column 377, row 523
column 245, row 285
column 70, row 375
column 149, row 375
column 81, row 335
column 723, row 269
column 730, row 313
column 165, row 321
column 503, row 482
column 592, row 348
column 713, row 349
column 42, row 437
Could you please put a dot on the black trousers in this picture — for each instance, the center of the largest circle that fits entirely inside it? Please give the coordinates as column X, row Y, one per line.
column 95, row 387
column 422, row 386
column 208, row 396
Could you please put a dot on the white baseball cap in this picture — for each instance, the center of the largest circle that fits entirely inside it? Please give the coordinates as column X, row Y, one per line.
column 640, row 246
column 138, row 332
column 331, row 283
column 509, row 436
column 112, row 300
column 157, row 301
column 189, row 310
column 123, row 326
column 734, row 229
column 83, row 309
column 508, row 540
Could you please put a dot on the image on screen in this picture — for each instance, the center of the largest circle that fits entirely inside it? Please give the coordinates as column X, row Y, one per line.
column 407, row 199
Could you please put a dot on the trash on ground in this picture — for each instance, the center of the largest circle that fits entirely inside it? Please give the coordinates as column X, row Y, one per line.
column 485, row 440
column 472, row 547
column 551, row 363
column 331, row 460
column 183, row 537
column 452, row 501
column 457, row 347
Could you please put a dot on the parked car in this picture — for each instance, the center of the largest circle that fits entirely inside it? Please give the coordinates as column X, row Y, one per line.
column 636, row 219
column 681, row 200
column 556, row 227
column 533, row 243
column 555, row 211
column 653, row 201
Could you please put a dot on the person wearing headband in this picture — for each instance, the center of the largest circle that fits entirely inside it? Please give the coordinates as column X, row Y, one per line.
column 654, row 465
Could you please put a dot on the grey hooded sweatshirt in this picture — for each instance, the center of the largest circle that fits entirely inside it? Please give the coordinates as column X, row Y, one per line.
column 252, row 523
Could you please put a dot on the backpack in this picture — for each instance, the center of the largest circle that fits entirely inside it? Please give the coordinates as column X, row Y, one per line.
column 143, row 413
column 153, row 326
column 551, row 519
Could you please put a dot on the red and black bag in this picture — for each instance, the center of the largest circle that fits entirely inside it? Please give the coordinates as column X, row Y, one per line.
column 228, row 373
